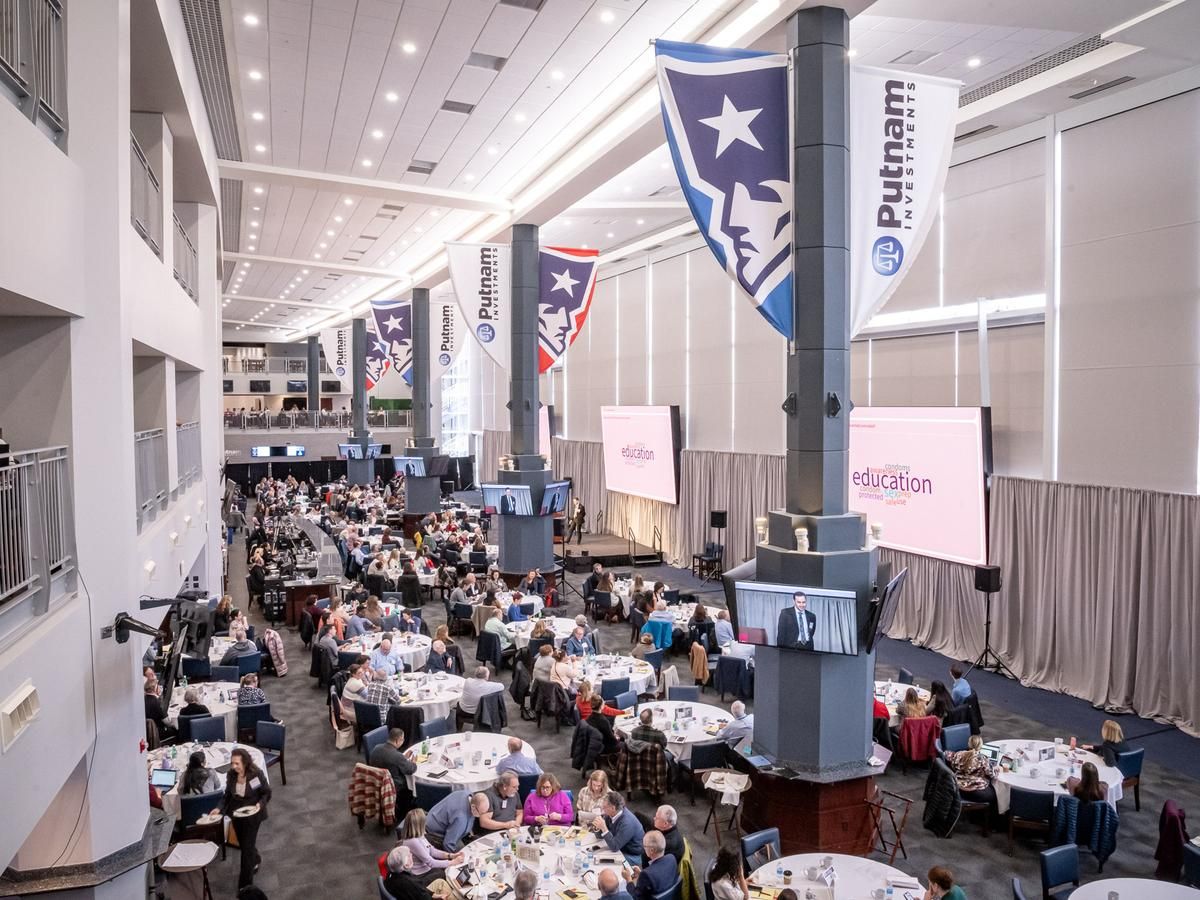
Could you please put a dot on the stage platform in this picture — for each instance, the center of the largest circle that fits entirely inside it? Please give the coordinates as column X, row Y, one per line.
column 607, row 549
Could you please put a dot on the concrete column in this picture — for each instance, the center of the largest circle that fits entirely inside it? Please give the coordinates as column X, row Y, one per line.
column 314, row 374
column 420, row 367
column 359, row 471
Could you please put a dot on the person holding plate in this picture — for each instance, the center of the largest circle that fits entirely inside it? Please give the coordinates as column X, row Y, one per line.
column 246, row 788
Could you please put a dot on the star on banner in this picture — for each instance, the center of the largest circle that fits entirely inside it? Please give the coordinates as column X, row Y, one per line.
column 392, row 324
column 564, row 282
column 733, row 124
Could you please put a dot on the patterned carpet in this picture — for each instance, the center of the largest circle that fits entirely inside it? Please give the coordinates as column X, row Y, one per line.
column 312, row 847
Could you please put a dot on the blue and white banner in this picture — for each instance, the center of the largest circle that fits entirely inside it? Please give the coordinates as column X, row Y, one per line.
column 726, row 114
column 393, row 329
column 482, row 278
column 446, row 334
column 566, row 283
column 378, row 358
column 335, row 344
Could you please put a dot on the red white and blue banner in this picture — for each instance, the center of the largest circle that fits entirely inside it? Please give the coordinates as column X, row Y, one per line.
column 378, row 359
column 336, row 344
column 393, row 341
column 566, row 285
column 727, row 119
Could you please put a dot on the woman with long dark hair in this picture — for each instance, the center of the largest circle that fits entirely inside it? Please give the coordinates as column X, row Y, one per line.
column 245, row 786
column 197, row 777
column 728, row 880
column 940, row 701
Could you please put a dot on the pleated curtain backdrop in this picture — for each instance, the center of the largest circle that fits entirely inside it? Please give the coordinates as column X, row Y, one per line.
column 495, row 445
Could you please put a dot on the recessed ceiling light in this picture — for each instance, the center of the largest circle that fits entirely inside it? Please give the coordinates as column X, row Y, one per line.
column 391, row 96
column 974, row 62
column 255, row 75
column 256, row 209
column 254, row 237
column 316, row 256
column 257, row 116
column 641, row 221
column 627, row 189
column 408, row 47
column 348, row 201
column 253, row 224
column 519, row 117
column 250, row 19
column 251, row 247
column 419, row 230
column 377, row 134
column 329, row 232
column 323, row 245
column 607, row 16
column 260, row 148
column 468, row 177
column 557, row 75
column 366, row 164
column 492, row 151
column 337, row 218
column 584, row 246
column 609, row 235
column 258, row 190
column 851, row 53
column 304, row 271
column 404, row 243
column 434, row 213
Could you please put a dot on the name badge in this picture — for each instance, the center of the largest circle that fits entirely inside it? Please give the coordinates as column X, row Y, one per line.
column 255, row 783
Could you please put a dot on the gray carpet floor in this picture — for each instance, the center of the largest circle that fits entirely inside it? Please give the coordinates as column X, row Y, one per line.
column 312, row 847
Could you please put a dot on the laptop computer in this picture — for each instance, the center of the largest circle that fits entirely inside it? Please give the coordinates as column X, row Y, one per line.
column 163, row 779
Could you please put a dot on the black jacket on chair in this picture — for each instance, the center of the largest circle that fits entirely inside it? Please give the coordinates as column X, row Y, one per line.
column 943, row 805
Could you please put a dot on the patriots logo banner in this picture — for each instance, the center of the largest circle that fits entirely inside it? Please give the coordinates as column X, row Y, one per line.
column 566, row 283
column 482, row 278
column 393, row 330
column 378, row 358
column 726, row 114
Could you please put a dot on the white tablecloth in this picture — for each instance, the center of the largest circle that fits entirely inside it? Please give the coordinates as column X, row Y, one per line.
column 624, row 591
column 562, row 630
column 216, row 649
column 685, row 611
column 1047, row 778
column 555, row 858
column 213, row 694
column 856, row 877
column 892, row 693
column 412, row 649
column 460, row 749
column 217, row 756
column 608, row 666
column 1134, row 889
column 436, row 694
column 705, row 722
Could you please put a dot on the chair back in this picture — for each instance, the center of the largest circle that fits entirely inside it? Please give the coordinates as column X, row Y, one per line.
column 207, row 728
column 708, row 755
column 367, row 715
column 191, row 667
column 346, row 658
column 1059, row 865
column 528, row 609
column 526, row 785
column 655, row 658
column 430, row 795
column 488, row 649
column 372, row 739
column 1191, row 864
column 955, row 737
column 323, row 603
column 435, row 728
column 249, row 662
column 270, row 735
column 687, row 693
column 626, row 700
column 383, row 891
column 1018, row 894
column 1031, row 806
column 185, row 727
column 753, row 843
column 671, row 596
column 917, row 736
column 536, row 645
column 602, row 600
column 391, row 623
column 193, row 806
column 395, row 598
column 225, row 673
column 462, row 611
column 249, row 715
column 673, row 892
column 1130, row 762
column 610, row 688
column 904, row 676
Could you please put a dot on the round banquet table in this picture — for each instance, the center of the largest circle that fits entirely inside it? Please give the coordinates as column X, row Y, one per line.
column 892, row 694
column 411, row 649
column 854, row 876
column 1134, row 889
column 703, row 726
column 1048, row 778
column 558, row 851
column 480, row 613
column 562, row 630
column 609, row 665
column 219, row 696
column 436, row 694
column 685, row 611
column 624, row 591
column 217, row 756
column 460, row 749
column 216, row 649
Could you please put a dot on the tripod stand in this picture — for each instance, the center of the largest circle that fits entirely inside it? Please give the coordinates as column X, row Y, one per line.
column 988, row 660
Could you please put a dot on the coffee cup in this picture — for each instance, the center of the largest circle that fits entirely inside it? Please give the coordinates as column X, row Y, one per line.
column 878, row 894
column 811, row 873
column 1033, row 773
column 1060, row 772
column 787, row 876
column 826, row 862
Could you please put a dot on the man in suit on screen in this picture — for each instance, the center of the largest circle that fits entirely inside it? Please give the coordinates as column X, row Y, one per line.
column 508, row 503
column 796, row 626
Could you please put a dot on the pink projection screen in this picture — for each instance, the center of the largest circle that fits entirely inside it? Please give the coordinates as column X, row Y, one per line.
column 641, row 450
column 920, row 473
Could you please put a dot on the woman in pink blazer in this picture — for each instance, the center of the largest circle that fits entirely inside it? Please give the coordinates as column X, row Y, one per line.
column 549, row 804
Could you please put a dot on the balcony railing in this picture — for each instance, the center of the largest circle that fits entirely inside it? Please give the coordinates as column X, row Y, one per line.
column 37, row 524
column 270, row 365
column 146, row 197
column 184, row 259
column 187, row 442
column 306, row 420
column 33, row 61
column 150, row 467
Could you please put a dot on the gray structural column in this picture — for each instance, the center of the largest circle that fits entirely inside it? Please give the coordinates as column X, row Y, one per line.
column 314, row 374
column 824, row 729
column 359, row 471
column 526, row 542
column 422, row 494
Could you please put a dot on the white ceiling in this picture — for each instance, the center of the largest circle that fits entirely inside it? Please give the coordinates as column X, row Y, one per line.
column 329, row 69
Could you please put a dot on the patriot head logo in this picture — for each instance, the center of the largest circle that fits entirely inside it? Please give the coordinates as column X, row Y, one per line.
column 393, row 324
column 887, row 255
column 726, row 117
column 485, row 332
column 566, row 282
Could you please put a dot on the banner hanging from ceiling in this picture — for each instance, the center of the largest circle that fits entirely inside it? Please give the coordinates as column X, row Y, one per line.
column 446, row 335
column 727, row 119
column 335, row 344
column 393, row 328
column 566, row 284
column 378, row 358
column 482, row 279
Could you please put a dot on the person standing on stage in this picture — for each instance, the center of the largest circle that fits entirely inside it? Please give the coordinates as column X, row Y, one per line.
column 575, row 521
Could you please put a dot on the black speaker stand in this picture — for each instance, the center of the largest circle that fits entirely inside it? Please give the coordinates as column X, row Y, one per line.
column 988, row 660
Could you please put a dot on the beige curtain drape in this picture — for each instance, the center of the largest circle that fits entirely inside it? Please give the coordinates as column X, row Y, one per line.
column 495, row 445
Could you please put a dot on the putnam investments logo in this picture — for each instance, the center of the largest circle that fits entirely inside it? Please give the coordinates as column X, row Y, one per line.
column 892, row 484
column 637, row 455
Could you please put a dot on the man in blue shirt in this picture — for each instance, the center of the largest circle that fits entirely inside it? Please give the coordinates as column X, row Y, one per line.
column 724, row 630
column 451, row 819
column 577, row 643
column 383, row 658
column 961, row 689
column 660, row 872
column 742, row 725
column 516, row 761
column 619, row 828
column 359, row 624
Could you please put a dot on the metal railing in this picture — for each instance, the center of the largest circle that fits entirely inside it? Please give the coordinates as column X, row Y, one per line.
column 187, row 448
column 33, row 61
column 184, row 260
column 146, row 198
column 150, row 468
column 308, row 420
column 270, row 365
column 37, row 524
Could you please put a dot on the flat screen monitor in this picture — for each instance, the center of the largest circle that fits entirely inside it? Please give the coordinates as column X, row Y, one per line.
column 819, row 620
column 350, row 451
column 554, row 498
column 260, row 386
column 920, row 473
column 507, row 499
column 411, row 466
column 293, row 450
column 883, row 610
column 331, row 387
column 374, row 451
column 641, row 451
column 227, row 385
column 260, row 451
column 297, row 386
column 438, row 466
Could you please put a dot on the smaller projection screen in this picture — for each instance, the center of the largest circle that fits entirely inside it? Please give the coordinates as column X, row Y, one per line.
column 507, row 499
column 554, row 498
column 920, row 472
column 411, row 466
column 641, row 451
column 797, row 618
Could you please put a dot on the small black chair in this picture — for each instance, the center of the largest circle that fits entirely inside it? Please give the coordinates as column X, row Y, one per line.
column 1029, row 811
column 248, row 717
column 684, row 692
column 1060, row 866
column 488, row 650
column 705, row 757
column 372, row 739
column 904, row 676
column 435, row 728
column 610, row 688
column 225, row 674
column 1130, row 764
column 270, row 737
column 191, row 808
column 429, row 795
column 526, row 785
column 205, row 729
column 367, row 717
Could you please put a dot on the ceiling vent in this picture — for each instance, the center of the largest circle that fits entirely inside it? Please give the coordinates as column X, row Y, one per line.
column 534, row 5
column 975, row 133
column 454, row 106
column 231, row 215
column 1037, row 67
column 422, row 167
column 914, row 57
column 484, row 61
column 668, row 192
column 202, row 21
column 1097, row 88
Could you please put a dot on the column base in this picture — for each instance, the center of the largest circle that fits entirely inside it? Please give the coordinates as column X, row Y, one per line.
column 812, row 816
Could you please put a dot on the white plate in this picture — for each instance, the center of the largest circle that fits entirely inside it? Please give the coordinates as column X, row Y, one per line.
column 209, row 819
column 245, row 811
